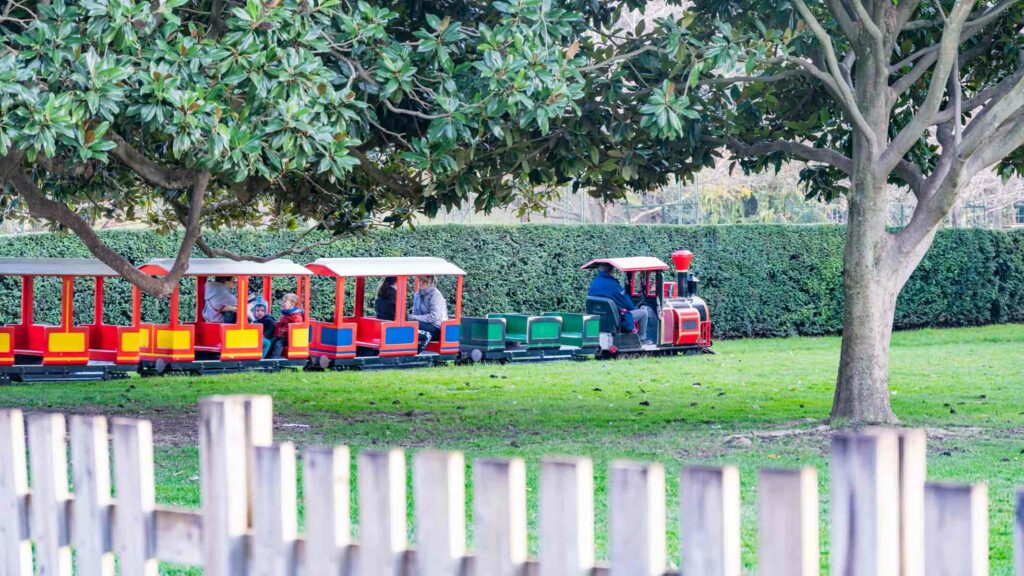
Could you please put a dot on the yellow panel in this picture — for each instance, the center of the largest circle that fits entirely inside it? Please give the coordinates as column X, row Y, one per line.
column 243, row 338
column 300, row 336
column 5, row 342
column 144, row 335
column 130, row 341
column 173, row 339
column 67, row 342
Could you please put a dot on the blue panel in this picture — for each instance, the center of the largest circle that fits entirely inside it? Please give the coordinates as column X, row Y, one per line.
column 451, row 333
column 336, row 337
column 402, row 335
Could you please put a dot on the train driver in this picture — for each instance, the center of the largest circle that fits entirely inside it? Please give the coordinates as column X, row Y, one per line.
column 605, row 285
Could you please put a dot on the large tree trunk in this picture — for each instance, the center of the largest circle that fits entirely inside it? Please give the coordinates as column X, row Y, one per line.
column 870, row 290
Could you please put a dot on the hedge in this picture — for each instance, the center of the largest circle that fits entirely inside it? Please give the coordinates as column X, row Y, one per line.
column 765, row 280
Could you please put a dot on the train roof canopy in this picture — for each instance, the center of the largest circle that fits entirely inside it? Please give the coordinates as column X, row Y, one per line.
column 630, row 264
column 377, row 267
column 228, row 267
column 54, row 267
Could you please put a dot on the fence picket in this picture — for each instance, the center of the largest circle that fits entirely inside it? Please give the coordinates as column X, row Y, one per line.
column 913, row 471
column 1018, row 535
column 956, row 530
column 275, row 511
column 223, row 484
column 566, row 517
column 259, row 431
column 90, row 466
column 134, row 540
column 382, row 512
column 865, row 504
column 636, row 519
column 326, row 476
column 499, row 516
column 48, row 463
column 439, row 494
column 787, row 530
column 709, row 520
column 15, row 547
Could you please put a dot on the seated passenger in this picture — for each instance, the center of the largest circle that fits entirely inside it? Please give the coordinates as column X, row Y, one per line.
column 605, row 285
column 221, row 304
column 429, row 309
column 290, row 313
column 387, row 297
column 260, row 316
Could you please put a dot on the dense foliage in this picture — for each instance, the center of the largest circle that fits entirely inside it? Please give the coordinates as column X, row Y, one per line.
column 759, row 280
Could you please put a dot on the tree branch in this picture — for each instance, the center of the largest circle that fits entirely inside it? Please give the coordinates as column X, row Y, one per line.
column 845, row 92
column 42, row 207
column 292, row 250
column 152, row 172
column 797, row 149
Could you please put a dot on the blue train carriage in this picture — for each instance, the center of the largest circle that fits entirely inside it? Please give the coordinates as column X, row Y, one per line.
column 681, row 320
column 364, row 340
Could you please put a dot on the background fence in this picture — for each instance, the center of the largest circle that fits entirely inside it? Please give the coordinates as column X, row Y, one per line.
column 885, row 519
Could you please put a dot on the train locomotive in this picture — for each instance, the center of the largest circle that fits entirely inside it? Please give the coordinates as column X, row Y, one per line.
column 354, row 338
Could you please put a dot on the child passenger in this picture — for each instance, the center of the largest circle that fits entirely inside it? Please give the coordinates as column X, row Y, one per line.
column 291, row 313
column 260, row 316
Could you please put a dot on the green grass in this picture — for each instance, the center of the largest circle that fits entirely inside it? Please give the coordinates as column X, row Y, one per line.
column 963, row 385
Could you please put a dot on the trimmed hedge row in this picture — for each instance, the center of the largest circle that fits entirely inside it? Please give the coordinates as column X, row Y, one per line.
column 759, row 280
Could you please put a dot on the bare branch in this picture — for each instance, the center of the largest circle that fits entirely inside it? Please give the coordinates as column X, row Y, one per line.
column 925, row 115
column 765, row 78
column 998, row 111
column 845, row 92
column 796, row 149
column 867, row 22
column 617, row 57
column 999, row 144
column 295, row 248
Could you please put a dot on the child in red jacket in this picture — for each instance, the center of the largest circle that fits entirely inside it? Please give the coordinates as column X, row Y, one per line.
column 291, row 313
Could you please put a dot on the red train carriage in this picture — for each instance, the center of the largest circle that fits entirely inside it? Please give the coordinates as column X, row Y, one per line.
column 364, row 340
column 681, row 321
column 37, row 352
column 202, row 346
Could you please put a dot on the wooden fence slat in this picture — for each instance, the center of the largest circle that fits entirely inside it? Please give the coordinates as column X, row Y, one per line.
column 787, row 513
column 865, row 504
column 259, row 431
column 49, row 468
column 956, row 530
column 1018, row 535
column 223, row 484
column 90, row 465
column 709, row 520
column 566, row 517
column 382, row 512
column 325, row 476
column 636, row 519
column 135, row 536
column 439, row 494
column 913, row 472
column 15, row 548
column 275, row 512
column 179, row 536
column 499, row 516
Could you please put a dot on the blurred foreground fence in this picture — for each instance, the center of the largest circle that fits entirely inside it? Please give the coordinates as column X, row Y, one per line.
column 885, row 519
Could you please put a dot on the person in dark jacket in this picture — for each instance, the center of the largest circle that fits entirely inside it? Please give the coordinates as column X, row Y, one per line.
column 606, row 285
column 387, row 298
column 291, row 313
column 260, row 316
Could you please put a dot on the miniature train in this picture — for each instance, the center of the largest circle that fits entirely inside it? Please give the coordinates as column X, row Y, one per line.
column 31, row 352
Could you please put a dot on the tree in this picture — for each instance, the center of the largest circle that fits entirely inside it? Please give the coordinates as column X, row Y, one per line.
column 219, row 112
column 921, row 94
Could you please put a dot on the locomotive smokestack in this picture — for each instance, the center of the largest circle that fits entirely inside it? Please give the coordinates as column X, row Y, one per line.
column 686, row 282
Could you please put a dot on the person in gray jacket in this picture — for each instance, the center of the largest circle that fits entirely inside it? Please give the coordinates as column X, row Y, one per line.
column 429, row 309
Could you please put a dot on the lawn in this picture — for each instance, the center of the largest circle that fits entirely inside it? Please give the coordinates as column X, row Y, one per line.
column 963, row 385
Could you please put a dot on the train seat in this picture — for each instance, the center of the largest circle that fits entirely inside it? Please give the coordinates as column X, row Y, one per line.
column 607, row 311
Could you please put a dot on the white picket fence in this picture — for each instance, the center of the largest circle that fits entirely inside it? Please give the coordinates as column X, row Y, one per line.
column 886, row 521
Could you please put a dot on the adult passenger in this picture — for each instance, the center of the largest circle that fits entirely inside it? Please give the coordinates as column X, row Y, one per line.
column 429, row 309
column 221, row 304
column 605, row 285
column 387, row 298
